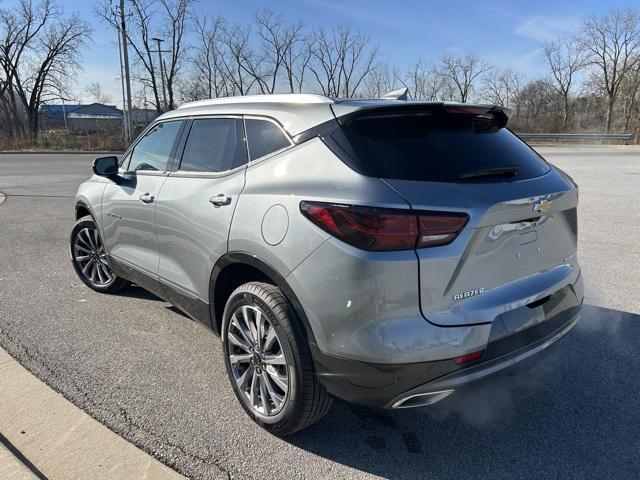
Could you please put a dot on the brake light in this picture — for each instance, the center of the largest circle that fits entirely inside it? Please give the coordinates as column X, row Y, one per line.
column 384, row 229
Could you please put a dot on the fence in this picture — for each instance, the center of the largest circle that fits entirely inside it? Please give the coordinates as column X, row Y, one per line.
column 579, row 137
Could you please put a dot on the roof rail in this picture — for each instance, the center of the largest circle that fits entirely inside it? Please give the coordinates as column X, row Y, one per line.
column 300, row 98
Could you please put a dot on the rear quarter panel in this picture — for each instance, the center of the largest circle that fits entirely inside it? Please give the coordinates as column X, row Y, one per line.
column 309, row 171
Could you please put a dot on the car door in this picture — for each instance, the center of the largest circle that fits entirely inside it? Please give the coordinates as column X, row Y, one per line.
column 195, row 207
column 129, row 209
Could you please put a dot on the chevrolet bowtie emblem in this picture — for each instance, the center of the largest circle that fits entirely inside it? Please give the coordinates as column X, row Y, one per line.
column 542, row 206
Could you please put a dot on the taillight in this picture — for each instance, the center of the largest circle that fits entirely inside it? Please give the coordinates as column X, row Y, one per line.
column 439, row 228
column 384, row 229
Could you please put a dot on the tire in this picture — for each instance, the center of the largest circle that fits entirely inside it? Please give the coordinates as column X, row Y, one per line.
column 89, row 258
column 304, row 401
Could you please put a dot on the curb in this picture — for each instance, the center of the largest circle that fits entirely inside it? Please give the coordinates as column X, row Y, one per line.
column 43, row 435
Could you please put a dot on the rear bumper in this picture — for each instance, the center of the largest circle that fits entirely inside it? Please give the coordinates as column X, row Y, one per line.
column 417, row 384
column 440, row 388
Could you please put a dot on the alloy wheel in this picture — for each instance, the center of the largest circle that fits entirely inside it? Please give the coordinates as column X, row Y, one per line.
column 257, row 361
column 91, row 258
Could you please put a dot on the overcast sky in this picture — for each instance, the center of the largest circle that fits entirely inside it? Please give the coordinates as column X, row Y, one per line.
column 504, row 33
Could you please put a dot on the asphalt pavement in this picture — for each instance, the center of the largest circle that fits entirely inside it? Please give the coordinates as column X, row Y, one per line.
column 156, row 378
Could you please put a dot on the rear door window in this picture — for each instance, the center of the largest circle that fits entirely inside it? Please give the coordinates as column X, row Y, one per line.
column 152, row 152
column 438, row 147
column 264, row 137
column 214, row 145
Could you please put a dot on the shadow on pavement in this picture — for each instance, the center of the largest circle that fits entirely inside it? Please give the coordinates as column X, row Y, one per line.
column 575, row 415
column 134, row 291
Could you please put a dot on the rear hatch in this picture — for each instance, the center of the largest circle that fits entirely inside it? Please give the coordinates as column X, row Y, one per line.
column 518, row 245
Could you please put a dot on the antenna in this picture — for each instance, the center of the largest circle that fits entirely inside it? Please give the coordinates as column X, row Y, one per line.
column 399, row 94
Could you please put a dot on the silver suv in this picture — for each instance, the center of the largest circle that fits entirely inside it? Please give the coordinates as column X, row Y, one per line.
column 383, row 252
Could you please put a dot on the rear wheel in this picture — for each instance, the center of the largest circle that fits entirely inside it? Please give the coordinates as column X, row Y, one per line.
column 90, row 258
column 268, row 361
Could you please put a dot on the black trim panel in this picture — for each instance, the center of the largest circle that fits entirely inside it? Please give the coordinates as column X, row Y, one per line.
column 245, row 258
column 190, row 304
column 372, row 384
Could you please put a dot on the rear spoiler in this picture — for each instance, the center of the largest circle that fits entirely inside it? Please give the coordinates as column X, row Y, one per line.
column 346, row 113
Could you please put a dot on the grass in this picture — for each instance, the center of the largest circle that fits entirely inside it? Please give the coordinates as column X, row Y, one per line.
column 61, row 140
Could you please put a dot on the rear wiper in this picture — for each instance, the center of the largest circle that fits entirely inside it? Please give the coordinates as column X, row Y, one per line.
column 508, row 171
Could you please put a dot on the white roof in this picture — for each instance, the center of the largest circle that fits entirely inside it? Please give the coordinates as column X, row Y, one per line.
column 299, row 98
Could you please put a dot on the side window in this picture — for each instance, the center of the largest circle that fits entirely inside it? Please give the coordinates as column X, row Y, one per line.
column 152, row 152
column 264, row 137
column 214, row 145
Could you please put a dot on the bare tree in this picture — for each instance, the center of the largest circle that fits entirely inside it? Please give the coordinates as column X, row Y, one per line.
column 630, row 89
column 296, row 58
column 612, row 43
column 382, row 79
column 209, row 79
column 95, row 90
column 341, row 59
column 171, row 27
column 426, row 83
column 463, row 72
column 538, row 107
column 39, row 52
column 565, row 58
column 239, row 61
column 502, row 87
column 276, row 42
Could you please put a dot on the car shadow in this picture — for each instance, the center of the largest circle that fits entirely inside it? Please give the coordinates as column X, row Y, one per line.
column 576, row 414
column 135, row 291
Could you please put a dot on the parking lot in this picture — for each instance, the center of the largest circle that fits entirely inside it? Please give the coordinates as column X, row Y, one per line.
column 157, row 378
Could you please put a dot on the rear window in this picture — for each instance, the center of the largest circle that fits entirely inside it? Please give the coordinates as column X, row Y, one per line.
column 439, row 147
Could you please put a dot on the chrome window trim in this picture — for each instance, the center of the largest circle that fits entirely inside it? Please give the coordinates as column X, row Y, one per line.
column 188, row 174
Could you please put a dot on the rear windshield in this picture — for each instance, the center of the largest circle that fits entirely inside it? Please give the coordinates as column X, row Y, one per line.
column 440, row 147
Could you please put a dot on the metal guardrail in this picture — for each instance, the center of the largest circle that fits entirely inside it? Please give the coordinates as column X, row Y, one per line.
column 579, row 137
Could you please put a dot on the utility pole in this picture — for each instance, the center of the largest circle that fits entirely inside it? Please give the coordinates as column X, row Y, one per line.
column 127, row 78
column 64, row 115
column 164, row 92
column 125, row 116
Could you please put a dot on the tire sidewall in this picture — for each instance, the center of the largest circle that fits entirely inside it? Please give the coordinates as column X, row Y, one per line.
column 287, row 414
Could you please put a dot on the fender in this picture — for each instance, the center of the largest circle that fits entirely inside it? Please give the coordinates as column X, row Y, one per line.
column 251, row 260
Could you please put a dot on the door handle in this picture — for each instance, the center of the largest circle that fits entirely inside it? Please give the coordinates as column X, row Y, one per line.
column 147, row 197
column 220, row 200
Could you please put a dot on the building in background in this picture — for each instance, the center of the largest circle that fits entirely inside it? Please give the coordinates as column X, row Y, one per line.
column 53, row 117
column 95, row 117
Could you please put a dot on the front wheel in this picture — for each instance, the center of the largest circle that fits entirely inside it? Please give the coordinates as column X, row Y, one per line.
column 90, row 258
column 268, row 361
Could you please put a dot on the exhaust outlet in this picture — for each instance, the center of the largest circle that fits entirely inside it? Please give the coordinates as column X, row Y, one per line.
column 421, row 399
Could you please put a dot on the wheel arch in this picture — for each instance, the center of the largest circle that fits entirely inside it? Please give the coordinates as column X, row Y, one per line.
column 82, row 210
column 236, row 268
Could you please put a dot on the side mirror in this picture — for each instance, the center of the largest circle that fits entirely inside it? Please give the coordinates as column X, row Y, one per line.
column 105, row 166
